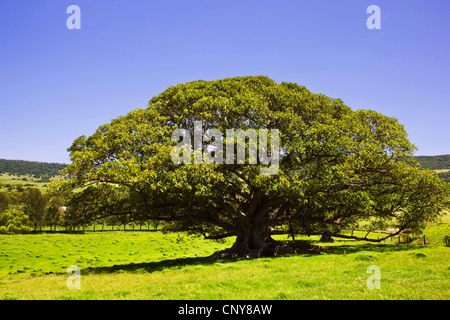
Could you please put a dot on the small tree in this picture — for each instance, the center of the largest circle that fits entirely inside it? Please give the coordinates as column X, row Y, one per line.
column 4, row 201
column 54, row 212
column 34, row 203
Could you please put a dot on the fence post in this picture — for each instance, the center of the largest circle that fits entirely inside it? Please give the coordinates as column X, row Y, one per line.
column 423, row 239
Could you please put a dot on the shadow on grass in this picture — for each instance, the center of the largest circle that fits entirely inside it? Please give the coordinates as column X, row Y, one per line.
column 153, row 266
column 179, row 263
column 369, row 247
column 171, row 264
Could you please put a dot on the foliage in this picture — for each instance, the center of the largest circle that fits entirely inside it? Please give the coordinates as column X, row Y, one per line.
column 34, row 204
column 445, row 176
column 50, row 209
column 4, row 201
column 13, row 221
column 54, row 211
column 337, row 168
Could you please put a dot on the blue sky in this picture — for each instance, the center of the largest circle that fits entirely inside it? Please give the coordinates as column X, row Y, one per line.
column 57, row 84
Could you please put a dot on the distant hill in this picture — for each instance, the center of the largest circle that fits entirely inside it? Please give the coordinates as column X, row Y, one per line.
column 441, row 162
column 36, row 169
column 46, row 170
column 445, row 176
column 434, row 162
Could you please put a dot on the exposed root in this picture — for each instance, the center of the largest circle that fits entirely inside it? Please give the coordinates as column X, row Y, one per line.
column 270, row 250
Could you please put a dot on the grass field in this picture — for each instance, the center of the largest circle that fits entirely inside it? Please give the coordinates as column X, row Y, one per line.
column 30, row 182
column 442, row 170
column 153, row 265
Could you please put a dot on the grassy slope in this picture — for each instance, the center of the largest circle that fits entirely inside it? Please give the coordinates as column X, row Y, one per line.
column 16, row 180
column 152, row 265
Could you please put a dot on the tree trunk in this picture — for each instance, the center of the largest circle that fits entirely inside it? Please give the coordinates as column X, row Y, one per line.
column 255, row 243
column 253, row 236
column 247, row 241
column 326, row 238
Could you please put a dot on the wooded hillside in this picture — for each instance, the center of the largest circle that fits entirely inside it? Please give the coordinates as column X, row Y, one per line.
column 48, row 170
column 32, row 168
column 440, row 162
column 434, row 162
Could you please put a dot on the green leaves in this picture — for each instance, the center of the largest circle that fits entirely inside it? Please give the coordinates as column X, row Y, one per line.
column 13, row 220
column 337, row 166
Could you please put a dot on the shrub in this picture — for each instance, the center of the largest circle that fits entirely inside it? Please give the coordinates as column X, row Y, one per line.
column 18, row 229
column 25, row 229
column 12, row 229
column 12, row 221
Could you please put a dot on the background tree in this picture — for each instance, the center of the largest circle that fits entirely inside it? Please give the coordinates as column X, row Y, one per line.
column 337, row 167
column 4, row 201
column 54, row 212
column 34, row 203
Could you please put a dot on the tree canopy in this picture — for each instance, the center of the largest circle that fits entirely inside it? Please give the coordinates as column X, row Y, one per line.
column 338, row 169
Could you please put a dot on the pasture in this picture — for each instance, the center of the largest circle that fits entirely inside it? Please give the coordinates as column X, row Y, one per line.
column 154, row 265
column 10, row 182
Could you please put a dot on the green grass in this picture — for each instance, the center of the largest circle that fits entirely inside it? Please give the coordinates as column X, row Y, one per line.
column 38, row 254
column 7, row 179
column 436, row 233
column 442, row 170
column 152, row 265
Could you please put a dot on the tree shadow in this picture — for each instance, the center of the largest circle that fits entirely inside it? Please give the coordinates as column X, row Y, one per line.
column 152, row 266
column 178, row 263
column 369, row 247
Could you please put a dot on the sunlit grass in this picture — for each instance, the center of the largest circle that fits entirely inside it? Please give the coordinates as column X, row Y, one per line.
column 152, row 265
column 30, row 182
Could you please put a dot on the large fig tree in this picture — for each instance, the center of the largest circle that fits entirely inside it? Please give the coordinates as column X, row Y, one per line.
column 336, row 169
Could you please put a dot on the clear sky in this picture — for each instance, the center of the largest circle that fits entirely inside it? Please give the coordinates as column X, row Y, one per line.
column 57, row 84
